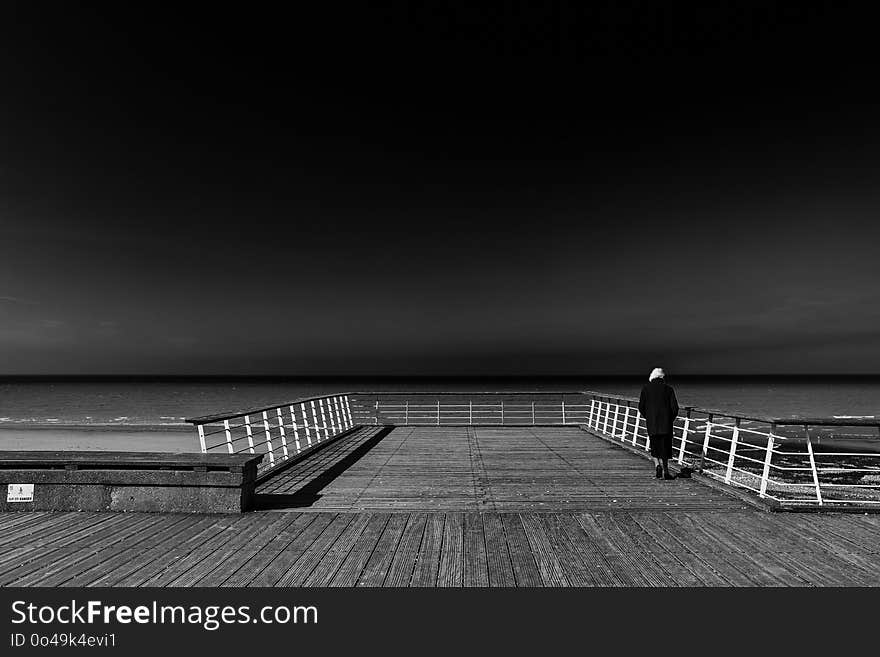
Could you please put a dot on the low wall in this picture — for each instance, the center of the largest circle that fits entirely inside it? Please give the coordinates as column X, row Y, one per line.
column 127, row 481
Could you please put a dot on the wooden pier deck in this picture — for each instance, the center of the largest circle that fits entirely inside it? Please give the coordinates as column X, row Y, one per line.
column 480, row 469
column 453, row 506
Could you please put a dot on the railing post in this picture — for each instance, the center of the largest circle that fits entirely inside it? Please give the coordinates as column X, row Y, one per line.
column 250, row 433
column 563, row 410
column 302, row 407
column 732, row 455
column 283, row 434
column 333, row 424
column 813, row 465
column 636, row 426
column 607, row 414
column 470, row 411
column 406, row 413
column 315, row 421
column 502, row 412
column 533, row 413
column 339, row 426
column 348, row 410
column 592, row 408
column 376, row 421
column 268, row 438
column 765, row 475
column 295, row 430
column 228, row 435
column 201, row 429
column 438, row 412
column 323, row 417
column 625, row 424
column 684, row 434
column 706, row 442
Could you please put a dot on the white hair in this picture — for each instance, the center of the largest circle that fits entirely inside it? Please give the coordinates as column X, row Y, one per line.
column 657, row 373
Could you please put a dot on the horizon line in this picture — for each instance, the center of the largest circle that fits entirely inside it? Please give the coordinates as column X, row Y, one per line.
column 437, row 376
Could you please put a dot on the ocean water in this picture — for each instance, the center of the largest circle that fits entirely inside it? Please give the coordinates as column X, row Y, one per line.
column 163, row 404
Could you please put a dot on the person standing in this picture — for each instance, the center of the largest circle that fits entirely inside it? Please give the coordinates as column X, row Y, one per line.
column 659, row 407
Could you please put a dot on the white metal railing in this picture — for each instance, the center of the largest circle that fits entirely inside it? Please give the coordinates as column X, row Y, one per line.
column 280, row 432
column 782, row 459
column 462, row 409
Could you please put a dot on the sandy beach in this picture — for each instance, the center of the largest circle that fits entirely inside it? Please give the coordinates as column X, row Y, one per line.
column 117, row 440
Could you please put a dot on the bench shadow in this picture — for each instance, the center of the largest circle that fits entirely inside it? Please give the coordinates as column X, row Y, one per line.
column 311, row 491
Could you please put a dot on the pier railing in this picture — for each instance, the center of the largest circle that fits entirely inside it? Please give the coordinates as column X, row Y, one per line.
column 830, row 462
column 281, row 431
column 813, row 462
column 470, row 408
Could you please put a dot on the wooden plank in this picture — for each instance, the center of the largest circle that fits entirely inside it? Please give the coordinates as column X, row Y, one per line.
column 428, row 560
column 709, row 552
column 761, row 554
column 400, row 572
column 376, row 568
column 330, row 564
column 578, row 572
column 158, row 562
column 670, row 545
column 244, row 547
column 641, row 561
column 9, row 519
column 129, row 549
column 47, row 531
column 66, row 566
column 599, row 571
column 300, row 569
column 678, row 572
column 350, row 571
column 450, row 572
column 552, row 572
column 290, row 552
column 26, row 559
column 263, row 554
column 811, row 557
column 522, row 559
column 137, row 558
column 90, row 534
column 474, row 558
column 208, row 549
column 204, row 560
column 500, row 566
column 730, row 550
column 612, row 554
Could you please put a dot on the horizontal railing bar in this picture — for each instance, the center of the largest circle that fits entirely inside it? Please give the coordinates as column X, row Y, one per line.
column 867, row 421
column 226, row 415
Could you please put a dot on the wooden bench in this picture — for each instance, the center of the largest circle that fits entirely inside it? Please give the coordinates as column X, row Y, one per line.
column 128, row 481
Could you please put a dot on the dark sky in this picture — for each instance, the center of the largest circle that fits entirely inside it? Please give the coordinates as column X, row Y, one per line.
column 429, row 189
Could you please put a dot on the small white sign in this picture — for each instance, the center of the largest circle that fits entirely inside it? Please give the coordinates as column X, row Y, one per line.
column 20, row 493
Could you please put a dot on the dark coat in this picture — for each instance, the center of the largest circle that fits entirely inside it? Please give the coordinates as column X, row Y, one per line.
column 658, row 406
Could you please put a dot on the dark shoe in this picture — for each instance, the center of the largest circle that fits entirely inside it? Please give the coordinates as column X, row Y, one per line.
column 659, row 472
column 668, row 476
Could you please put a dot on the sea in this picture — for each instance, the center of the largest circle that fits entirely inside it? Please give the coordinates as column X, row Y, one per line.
column 165, row 403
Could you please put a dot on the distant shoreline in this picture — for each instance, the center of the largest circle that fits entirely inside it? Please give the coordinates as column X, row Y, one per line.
column 113, row 439
column 97, row 427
